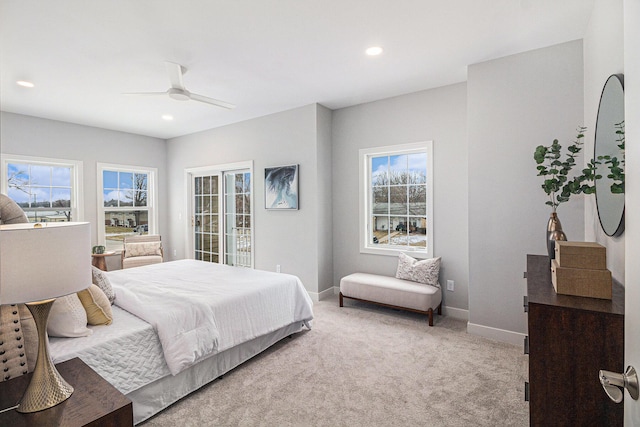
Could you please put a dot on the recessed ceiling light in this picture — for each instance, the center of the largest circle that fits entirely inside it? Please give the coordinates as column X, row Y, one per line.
column 374, row 51
column 24, row 83
column 167, row 117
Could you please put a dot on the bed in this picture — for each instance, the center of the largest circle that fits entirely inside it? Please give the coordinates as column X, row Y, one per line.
column 181, row 324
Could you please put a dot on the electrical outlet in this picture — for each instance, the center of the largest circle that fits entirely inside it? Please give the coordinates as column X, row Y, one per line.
column 450, row 285
column 277, row 268
column 175, row 253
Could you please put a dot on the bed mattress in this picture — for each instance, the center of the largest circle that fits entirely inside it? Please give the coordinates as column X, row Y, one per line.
column 128, row 356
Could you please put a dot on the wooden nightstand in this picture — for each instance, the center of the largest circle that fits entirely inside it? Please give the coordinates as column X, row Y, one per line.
column 94, row 401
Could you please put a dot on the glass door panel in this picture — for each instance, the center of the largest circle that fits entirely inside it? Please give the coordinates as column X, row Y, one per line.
column 237, row 218
column 205, row 218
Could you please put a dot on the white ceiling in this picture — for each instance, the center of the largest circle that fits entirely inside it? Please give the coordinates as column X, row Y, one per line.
column 264, row 56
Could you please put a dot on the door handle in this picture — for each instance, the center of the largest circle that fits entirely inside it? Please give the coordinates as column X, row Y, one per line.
column 614, row 383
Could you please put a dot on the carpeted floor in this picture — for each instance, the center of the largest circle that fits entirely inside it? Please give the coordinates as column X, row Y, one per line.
column 363, row 365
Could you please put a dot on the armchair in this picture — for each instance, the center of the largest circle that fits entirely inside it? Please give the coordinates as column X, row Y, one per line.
column 141, row 250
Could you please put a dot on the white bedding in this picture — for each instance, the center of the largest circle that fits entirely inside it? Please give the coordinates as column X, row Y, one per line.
column 126, row 353
column 199, row 309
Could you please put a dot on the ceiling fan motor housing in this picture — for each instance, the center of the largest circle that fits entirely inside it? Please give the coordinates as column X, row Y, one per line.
column 179, row 94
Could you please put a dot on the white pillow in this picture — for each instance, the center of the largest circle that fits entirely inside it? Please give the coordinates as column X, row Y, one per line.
column 68, row 318
column 142, row 249
column 425, row 271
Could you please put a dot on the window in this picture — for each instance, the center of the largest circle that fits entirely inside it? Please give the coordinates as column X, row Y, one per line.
column 46, row 189
column 396, row 200
column 126, row 203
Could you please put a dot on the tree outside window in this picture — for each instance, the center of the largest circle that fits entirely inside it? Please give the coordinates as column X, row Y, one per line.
column 396, row 198
column 44, row 190
column 126, row 203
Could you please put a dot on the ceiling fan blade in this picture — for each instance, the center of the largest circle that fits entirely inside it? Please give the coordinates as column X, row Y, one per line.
column 146, row 93
column 207, row 100
column 175, row 72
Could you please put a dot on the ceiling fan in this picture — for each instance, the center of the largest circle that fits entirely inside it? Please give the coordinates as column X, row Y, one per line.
column 179, row 92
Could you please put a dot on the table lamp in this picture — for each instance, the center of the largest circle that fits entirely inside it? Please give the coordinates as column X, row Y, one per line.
column 38, row 263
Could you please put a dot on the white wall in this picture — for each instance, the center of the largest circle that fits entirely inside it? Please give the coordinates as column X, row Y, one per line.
column 514, row 104
column 603, row 56
column 32, row 136
column 324, row 180
column 438, row 115
column 288, row 238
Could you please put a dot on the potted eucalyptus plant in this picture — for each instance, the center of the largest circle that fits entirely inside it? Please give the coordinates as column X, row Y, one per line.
column 557, row 184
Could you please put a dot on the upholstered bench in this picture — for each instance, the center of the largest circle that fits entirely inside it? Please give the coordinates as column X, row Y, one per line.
column 392, row 292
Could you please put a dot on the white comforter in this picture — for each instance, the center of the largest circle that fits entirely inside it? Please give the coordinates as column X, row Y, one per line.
column 199, row 308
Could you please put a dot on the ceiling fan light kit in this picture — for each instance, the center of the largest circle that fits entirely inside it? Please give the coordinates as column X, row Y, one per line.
column 179, row 92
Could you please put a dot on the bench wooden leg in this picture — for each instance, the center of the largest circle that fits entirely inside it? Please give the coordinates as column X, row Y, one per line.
column 440, row 309
column 430, row 316
column 340, row 299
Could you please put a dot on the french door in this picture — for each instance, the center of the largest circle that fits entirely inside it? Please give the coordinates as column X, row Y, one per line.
column 221, row 219
column 237, row 218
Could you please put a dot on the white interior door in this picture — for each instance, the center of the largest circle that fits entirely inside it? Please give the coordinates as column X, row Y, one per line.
column 632, row 199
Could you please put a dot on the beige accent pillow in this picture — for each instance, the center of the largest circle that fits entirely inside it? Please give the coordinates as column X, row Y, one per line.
column 425, row 271
column 98, row 277
column 68, row 318
column 142, row 249
column 10, row 211
column 97, row 306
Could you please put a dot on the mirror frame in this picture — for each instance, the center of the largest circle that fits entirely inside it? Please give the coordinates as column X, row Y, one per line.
column 614, row 79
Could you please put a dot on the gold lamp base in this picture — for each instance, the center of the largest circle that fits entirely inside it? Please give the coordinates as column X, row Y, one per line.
column 47, row 387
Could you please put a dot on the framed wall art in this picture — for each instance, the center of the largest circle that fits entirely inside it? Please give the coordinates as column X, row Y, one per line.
column 281, row 187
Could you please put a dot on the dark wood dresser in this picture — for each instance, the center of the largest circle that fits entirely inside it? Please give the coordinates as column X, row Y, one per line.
column 570, row 340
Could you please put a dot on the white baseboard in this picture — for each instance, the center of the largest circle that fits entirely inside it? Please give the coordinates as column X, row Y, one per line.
column 496, row 334
column 318, row 296
column 456, row 313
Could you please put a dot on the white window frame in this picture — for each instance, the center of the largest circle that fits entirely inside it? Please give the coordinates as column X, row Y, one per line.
column 77, row 199
column 152, row 196
column 366, row 242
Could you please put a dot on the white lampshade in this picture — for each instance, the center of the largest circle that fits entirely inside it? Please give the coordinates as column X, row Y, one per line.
column 43, row 261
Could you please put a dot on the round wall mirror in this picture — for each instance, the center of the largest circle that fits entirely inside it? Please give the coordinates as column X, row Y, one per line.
column 609, row 152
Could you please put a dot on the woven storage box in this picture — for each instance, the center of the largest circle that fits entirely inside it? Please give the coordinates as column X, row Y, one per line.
column 582, row 282
column 589, row 255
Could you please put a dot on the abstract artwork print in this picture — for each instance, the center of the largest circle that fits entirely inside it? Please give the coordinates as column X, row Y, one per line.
column 281, row 187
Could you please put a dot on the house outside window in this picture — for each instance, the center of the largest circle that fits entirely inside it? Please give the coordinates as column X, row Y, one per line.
column 126, row 203
column 48, row 190
column 396, row 194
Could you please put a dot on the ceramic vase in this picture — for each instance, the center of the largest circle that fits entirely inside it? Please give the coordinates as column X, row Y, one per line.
column 554, row 233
